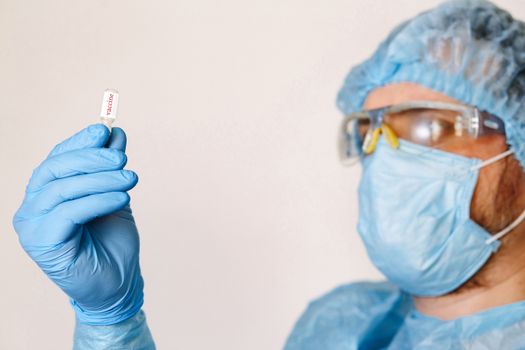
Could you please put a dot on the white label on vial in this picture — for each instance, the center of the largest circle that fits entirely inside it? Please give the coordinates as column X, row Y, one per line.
column 109, row 104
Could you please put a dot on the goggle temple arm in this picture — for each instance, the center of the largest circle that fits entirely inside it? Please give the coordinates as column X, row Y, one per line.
column 490, row 124
column 376, row 120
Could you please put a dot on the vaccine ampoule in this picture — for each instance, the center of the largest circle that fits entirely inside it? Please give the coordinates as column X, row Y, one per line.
column 108, row 111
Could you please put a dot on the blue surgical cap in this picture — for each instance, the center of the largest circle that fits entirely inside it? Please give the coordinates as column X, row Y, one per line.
column 469, row 50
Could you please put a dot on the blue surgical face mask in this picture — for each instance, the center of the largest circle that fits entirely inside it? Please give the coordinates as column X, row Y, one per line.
column 414, row 217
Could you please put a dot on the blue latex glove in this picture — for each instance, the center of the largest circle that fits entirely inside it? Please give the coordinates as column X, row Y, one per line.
column 76, row 224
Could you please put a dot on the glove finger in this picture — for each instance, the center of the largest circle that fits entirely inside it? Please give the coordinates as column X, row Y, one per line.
column 117, row 140
column 95, row 135
column 75, row 187
column 77, row 162
column 63, row 222
column 83, row 210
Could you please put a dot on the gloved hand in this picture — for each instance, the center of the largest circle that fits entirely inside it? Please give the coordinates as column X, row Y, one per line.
column 76, row 224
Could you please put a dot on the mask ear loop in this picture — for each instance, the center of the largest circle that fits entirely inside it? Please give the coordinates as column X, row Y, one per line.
column 507, row 229
column 520, row 218
column 492, row 160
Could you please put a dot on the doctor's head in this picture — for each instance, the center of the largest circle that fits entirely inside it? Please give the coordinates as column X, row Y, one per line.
column 436, row 117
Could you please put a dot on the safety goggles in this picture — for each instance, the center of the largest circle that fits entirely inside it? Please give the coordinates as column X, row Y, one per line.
column 428, row 123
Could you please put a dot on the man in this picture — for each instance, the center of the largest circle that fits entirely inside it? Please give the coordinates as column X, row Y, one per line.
column 440, row 201
column 442, row 193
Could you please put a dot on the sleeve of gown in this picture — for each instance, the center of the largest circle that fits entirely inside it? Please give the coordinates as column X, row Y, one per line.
column 131, row 334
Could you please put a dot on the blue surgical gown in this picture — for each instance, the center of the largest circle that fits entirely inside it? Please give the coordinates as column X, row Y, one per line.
column 380, row 316
column 131, row 334
column 356, row 316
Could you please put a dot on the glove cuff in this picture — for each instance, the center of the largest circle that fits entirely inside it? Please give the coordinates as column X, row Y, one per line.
column 123, row 309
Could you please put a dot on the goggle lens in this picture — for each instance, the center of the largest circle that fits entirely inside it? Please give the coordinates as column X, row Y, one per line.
column 431, row 127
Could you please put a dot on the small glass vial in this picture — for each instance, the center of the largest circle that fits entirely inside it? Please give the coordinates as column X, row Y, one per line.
column 108, row 111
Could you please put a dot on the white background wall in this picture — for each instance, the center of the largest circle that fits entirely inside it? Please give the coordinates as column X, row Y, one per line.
column 244, row 212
